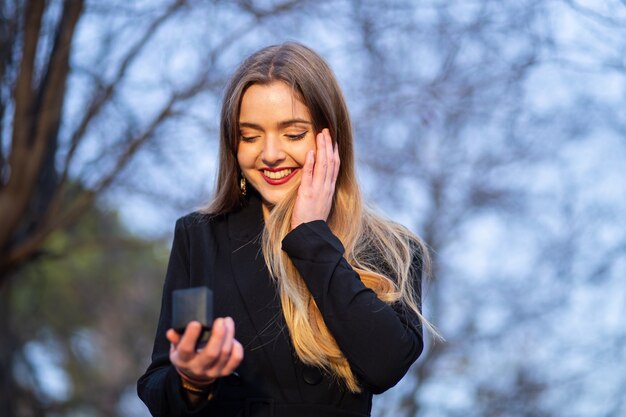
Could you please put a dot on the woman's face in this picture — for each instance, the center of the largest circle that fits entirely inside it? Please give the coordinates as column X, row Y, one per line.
column 276, row 132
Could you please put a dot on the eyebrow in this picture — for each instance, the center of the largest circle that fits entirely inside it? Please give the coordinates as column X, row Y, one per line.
column 281, row 125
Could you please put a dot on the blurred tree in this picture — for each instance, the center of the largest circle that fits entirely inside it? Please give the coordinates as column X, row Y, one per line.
column 70, row 111
column 475, row 120
column 35, row 72
column 495, row 129
column 82, row 319
column 35, row 161
column 448, row 98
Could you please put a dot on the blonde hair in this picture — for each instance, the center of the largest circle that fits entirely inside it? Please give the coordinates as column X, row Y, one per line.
column 380, row 251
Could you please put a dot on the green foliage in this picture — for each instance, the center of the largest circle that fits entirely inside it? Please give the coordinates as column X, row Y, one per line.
column 92, row 298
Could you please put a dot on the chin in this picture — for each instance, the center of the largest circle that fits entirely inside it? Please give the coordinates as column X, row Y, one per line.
column 271, row 199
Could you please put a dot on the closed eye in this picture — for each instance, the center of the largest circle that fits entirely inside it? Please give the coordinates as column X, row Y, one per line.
column 248, row 138
column 298, row 136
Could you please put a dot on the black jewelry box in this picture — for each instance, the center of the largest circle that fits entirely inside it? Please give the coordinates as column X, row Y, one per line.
column 191, row 304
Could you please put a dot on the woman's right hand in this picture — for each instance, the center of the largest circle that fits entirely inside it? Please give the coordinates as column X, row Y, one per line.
column 319, row 177
column 220, row 357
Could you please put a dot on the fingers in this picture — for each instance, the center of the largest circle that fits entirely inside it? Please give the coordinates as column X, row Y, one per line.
column 227, row 346
column 235, row 359
column 218, row 350
column 333, row 171
column 220, row 357
column 173, row 336
column 321, row 160
column 326, row 161
column 187, row 346
column 330, row 160
column 331, row 163
column 317, row 186
column 336, row 165
column 307, row 169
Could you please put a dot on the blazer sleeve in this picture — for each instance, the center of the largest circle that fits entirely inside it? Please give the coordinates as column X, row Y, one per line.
column 379, row 341
column 159, row 388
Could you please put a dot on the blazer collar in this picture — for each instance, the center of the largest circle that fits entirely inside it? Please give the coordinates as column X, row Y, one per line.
column 259, row 293
column 247, row 223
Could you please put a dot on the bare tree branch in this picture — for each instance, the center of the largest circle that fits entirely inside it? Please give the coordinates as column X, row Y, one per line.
column 32, row 145
column 104, row 92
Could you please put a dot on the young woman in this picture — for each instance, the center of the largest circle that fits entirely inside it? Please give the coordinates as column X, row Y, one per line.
column 317, row 298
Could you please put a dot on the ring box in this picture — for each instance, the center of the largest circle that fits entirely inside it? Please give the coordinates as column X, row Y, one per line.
column 193, row 304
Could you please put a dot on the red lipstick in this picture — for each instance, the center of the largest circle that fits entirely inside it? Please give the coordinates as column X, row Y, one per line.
column 278, row 181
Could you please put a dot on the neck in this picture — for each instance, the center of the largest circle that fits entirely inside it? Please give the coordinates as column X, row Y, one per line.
column 266, row 210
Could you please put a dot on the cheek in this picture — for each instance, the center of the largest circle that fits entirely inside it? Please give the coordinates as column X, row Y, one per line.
column 245, row 156
column 303, row 149
column 240, row 163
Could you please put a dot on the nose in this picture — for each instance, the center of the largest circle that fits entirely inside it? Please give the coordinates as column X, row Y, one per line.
column 273, row 152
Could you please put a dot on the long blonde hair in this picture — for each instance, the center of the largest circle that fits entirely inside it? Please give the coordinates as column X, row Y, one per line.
column 381, row 252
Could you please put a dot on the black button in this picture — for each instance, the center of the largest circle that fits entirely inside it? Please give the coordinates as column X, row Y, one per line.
column 312, row 375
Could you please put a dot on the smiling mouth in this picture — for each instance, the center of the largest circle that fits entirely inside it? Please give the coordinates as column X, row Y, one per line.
column 277, row 177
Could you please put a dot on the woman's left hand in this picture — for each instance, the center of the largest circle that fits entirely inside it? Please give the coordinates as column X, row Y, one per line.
column 317, row 187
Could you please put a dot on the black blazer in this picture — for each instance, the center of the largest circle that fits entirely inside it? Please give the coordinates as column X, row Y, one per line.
column 224, row 252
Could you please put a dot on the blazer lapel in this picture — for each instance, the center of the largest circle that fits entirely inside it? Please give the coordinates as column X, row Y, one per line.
column 260, row 296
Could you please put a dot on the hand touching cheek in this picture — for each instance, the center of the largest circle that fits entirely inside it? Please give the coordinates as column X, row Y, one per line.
column 317, row 186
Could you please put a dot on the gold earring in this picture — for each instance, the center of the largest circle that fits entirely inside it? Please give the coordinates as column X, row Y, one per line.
column 242, row 185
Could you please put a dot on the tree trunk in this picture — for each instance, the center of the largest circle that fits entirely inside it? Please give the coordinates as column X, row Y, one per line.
column 8, row 388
